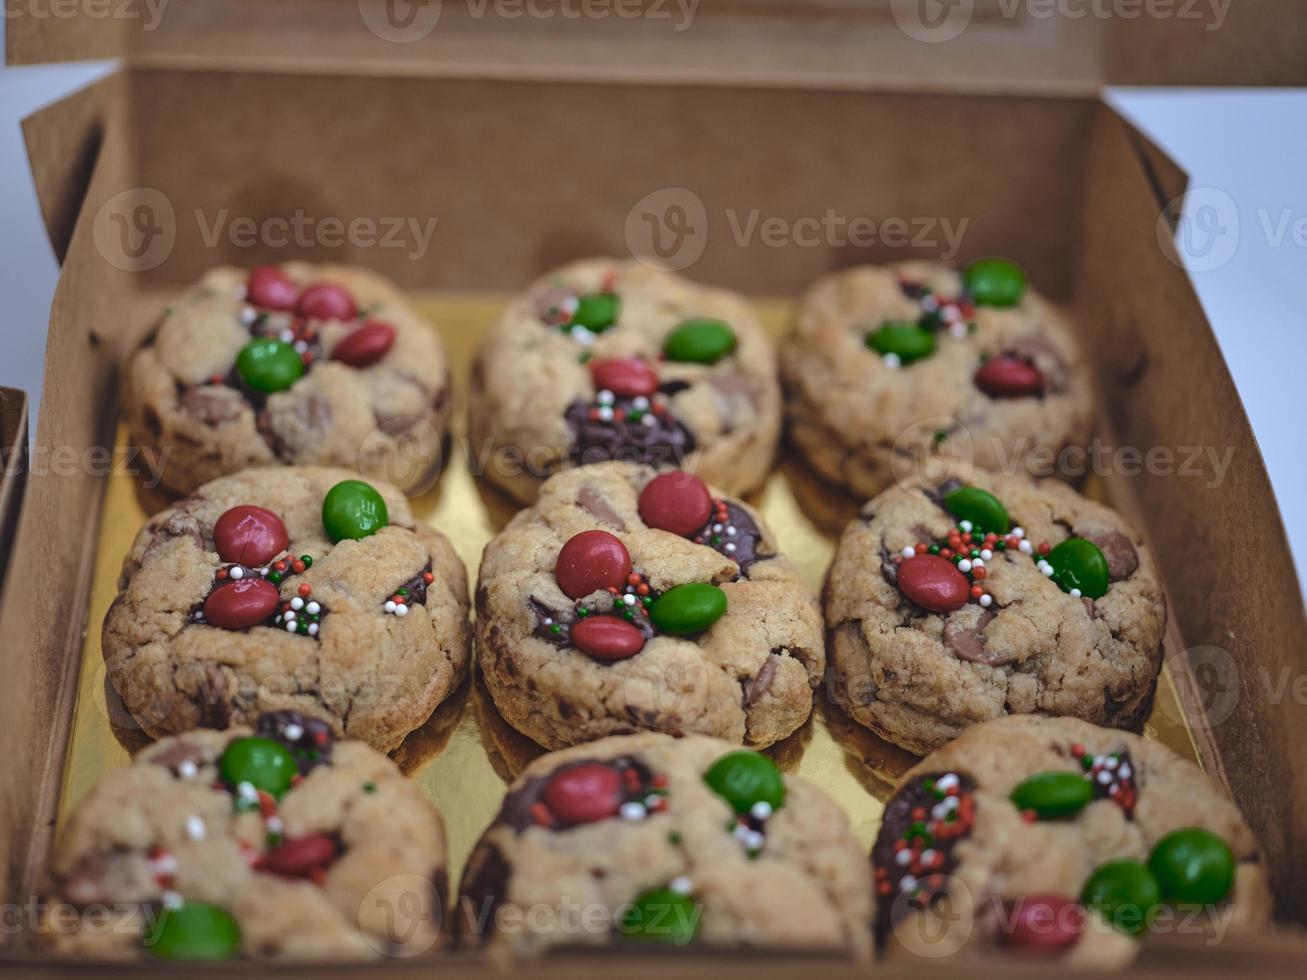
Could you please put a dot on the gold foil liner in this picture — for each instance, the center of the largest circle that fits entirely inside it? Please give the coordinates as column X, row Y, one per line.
column 465, row 754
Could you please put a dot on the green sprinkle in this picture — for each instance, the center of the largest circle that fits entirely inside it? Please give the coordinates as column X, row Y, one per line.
column 940, row 436
column 369, row 787
column 273, row 840
column 308, row 560
column 583, row 611
column 584, row 357
column 401, row 592
column 933, row 549
column 274, row 577
column 674, row 838
column 556, row 629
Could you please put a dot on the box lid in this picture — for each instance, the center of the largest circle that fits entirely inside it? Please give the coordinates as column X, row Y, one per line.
column 1061, row 46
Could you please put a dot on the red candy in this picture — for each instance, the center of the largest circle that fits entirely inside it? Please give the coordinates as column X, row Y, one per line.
column 271, row 288
column 241, row 604
column 584, row 793
column 626, row 377
column 249, row 535
column 327, row 301
column 365, row 345
column 678, row 502
column 299, row 857
column 590, row 561
column 607, row 638
column 1044, row 924
column 1009, row 376
column 933, row 583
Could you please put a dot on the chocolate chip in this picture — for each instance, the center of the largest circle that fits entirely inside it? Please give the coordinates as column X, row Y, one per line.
column 760, row 683
column 212, row 404
column 968, row 641
column 1122, row 559
column 664, row 442
column 591, row 500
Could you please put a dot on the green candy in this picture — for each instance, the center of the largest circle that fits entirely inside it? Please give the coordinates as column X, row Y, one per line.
column 1125, row 893
column 662, row 915
column 1079, row 564
column 700, row 341
column 1193, row 866
column 689, row 608
column 1054, row 795
column 194, row 931
column 906, row 341
column 261, row 762
column 744, row 778
column 596, row 311
column 269, row 365
column 353, row 509
column 985, row 511
column 995, row 282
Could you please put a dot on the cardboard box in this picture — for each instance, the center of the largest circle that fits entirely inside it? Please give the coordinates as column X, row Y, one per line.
column 528, row 154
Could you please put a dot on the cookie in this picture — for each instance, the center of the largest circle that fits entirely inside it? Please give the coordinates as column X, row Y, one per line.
column 950, row 604
column 604, row 360
column 289, row 587
column 647, row 839
column 1054, row 837
column 298, row 364
column 272, row 843
column 627, row 600
column 885, row 366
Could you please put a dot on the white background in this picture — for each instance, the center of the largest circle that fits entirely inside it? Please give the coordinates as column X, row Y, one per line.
column 1245, row 150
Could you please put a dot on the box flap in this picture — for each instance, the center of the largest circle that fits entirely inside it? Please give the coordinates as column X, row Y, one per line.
column 1063, row 46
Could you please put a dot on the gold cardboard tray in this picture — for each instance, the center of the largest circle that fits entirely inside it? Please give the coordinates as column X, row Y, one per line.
column 466, row 753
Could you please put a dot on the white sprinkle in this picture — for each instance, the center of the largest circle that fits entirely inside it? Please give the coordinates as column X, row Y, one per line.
column 965, row 527
column 1047, row 570
column 1104, row 777
column 892, row 361
column 547, row 621
column 1074, row 593
column 952, row 313
column 903, row 857
column 389, row 606
column 760, row 810
column 633, row 811
column 907, row 883
column 947, row 781
column 285, row 336
column 754, row 840
column 731, row 530
column 930, row 302
column 909, row 552
column 301, row 346
column 1018, row 532
column 195, row 828
column 313, row 609
column 977, row 563
column 248, row 315
column 986, row 554
column 964, row 565
column 290, row 627
column 605, row 397
column 288, row 615
column 717, row 528
column 958, row 329
column 681, row 884
column 1026, row 548
column 297, row 603
column 187, row 769
column 927, row 856
column 650, row 420
column 274, row 825
column 986, row 600
column 582, row 336
column 313, row 629
column 246, row 791
column 264, row 571
column 293, row 731
column 1124, row 771
column 628, row 599
column 237, row 572
column 728, row 547
column 741, row 832
column 606, row 413
column 199, row 615
column 171, row 900
column 1111, row 762
column 164, row 864
column 401, row 610
column 640, row 402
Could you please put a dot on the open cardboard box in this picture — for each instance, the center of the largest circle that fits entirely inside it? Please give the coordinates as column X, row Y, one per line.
column 531, row 154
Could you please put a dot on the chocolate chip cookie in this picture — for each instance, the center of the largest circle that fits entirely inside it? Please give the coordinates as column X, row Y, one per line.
column 1054, row 837
column 604, row 360
column 626, row 599
column 885, row 366
column 289, row 587
column 952, row 603
column 302, row 364
column 647, row 839
column 276, row 843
